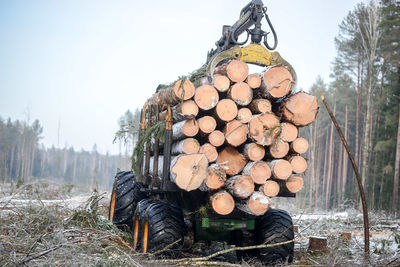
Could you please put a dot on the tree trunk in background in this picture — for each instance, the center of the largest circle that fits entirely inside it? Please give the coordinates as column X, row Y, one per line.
column 369, row 36
column 325, row 170
column 330, row 165
column 345, row 156
column 396, row 171
column 312, row 167
column 358, row 107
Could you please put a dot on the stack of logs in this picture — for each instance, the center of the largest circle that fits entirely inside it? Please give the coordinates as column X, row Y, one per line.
column 238, row 137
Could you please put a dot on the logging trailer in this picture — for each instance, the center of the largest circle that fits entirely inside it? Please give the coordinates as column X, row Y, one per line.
column 157, row 209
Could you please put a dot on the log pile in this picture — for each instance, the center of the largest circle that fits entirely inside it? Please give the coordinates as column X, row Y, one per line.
column 238, row 137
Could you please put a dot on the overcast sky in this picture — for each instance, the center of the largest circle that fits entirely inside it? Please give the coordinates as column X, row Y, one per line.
column 82, row 64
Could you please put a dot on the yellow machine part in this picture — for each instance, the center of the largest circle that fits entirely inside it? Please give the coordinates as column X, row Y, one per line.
column 252, row 53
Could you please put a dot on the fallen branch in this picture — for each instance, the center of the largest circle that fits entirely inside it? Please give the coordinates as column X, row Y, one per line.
column 166, row 247
column 206, row 258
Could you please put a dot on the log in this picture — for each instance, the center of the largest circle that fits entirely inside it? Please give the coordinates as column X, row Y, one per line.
column 253, row 151
column 260, row 105
column 264, row 128
column 222, row 202
column 210, row 151
column 299, row 145
column 216, row 138
column 259, row 171
column 299, row 164
column 183, row 111
column 289, row 132
column 277, row 82
column 221, row 69
column 280, row 169
column 221, row 83
column 206, row 97
column 185, row 146
column 240, row 186
column 173, row 95
column 270, row 188
column 188, row 172
column 244, row 115
column 257, row 204
column 226, row 110
column 345, row 237
column 232, row 160
column 183, row 129
column 235, row 133
column 241, row 93
column 301, row 109
column 278, row 149
column 318, row 243
column 207, row 124
column 237, row 71
column 216, row 177
column 254, row 80
column 294, row 183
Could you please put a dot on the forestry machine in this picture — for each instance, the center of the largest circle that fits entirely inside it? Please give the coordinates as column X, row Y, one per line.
column 158, row 213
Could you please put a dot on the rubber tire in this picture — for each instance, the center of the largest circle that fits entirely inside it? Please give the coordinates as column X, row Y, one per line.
column 275, row 226
column 140, row 211
column 166, row 225
column 127, row 196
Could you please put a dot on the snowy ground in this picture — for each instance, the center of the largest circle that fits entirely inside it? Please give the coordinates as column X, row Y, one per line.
column 63, row 200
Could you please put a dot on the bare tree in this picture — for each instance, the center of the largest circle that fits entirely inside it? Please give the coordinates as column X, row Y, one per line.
column 395, row 198
column 370, row 35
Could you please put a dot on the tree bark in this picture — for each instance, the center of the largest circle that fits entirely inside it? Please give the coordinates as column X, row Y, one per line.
column 183, row 129
column 185, row 146
column 395, row 199
column 260, row 105
column 240, row 186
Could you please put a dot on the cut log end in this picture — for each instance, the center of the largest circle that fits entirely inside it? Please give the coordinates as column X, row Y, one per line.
column 216, row 138
column 190, row 128
column 241, row 186
column 254, row 152
column 294, row 183
column 222, row 203
column 289, row 132
column 221, row 83
column 207, row 124
column 299, row 164
column 270, row 188
column 281, row 169
column 244, row 115
column 210, row 151
column 216, row 177
column 278, row 149
column 206, row 97
column 235, row 133
column 237, row 71
column 278, row 82
column 232, row 160
column 301, row 109
column 259, row 171
column 226, row 110
column 241, row 93
column 188, row 172
column 260, row 106
column 299, row 145
column 185, row 146
column 264, row 128
column 189, row 107
column 184, row 92
column 254, row 80
column 258, row 203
